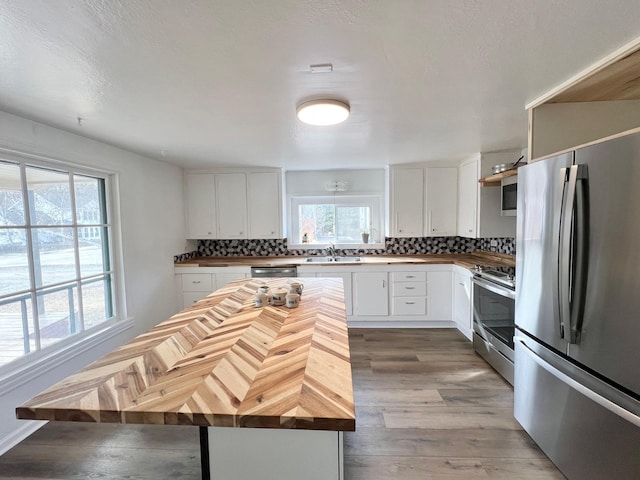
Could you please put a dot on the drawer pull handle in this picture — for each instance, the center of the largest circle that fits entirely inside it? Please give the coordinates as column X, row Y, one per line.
column 411, row 276
column 410, row 288
column 409, row 303
column 195, row 281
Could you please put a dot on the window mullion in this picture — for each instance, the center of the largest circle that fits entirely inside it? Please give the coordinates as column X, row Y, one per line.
column 32, row 268
column 76, row 247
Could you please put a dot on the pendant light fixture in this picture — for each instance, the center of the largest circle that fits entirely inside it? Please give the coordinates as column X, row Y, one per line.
column 323, row 112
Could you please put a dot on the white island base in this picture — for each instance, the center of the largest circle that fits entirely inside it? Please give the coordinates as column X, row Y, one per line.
column 275, row 454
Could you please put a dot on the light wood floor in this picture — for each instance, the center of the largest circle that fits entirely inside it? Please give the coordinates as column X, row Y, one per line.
column 427, row 408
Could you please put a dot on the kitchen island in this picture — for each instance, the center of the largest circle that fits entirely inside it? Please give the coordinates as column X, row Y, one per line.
column 284, row 375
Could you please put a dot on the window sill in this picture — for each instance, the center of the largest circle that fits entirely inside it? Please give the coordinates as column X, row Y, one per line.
column 25, row 369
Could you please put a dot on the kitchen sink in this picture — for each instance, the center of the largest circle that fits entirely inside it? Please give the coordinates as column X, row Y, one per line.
column 333, row 259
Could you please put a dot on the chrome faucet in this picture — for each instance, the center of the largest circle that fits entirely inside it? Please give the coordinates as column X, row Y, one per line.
column 331, row 250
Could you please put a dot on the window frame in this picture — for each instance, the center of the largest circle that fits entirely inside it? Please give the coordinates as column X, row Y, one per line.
column 372, row 200
column 87, row 335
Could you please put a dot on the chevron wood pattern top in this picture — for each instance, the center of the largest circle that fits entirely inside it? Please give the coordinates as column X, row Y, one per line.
column 222, row 362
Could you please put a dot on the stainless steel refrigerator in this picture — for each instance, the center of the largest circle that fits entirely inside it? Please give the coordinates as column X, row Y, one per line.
column 577, row 345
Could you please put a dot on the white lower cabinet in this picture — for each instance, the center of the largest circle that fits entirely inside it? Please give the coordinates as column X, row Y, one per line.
column 462, row 301
column 196, row 286
column 440, row 295
column 375, row 295
column 418, row 296
column 371, row 294
column 409, row 293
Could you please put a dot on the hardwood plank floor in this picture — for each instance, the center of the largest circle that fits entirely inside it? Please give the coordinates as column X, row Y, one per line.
column 427, row 408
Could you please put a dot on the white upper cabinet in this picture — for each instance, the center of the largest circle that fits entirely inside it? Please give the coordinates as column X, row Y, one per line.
column 407, row 202
column 264, row 204
column 231, row 199
column 467, row 199
column 234, row 204
column 423, row 201
column 200, row 205
column 442, row 201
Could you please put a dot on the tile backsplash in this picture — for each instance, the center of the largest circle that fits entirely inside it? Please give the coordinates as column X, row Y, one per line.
column 416, row 246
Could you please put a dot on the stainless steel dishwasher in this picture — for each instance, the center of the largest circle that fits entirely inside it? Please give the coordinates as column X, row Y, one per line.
column 274, row 272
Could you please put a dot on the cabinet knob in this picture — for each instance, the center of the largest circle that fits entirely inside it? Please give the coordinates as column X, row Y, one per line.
column 208, row 233
column 470, row 230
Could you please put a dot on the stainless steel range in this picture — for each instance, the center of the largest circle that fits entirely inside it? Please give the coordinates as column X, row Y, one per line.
column 494, row 293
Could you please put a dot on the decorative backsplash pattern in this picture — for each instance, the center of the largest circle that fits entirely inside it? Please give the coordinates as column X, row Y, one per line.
column 393, row 246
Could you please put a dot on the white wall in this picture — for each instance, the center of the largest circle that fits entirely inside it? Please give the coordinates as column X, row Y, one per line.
column 312, row 182
column 152, row 226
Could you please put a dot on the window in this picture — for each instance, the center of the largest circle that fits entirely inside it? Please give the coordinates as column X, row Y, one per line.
column 318, row 221
column 56, row 277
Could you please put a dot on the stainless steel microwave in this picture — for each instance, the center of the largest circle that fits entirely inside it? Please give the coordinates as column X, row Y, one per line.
column 509, row 196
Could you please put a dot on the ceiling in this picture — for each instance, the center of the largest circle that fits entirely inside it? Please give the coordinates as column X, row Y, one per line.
column 216, row 82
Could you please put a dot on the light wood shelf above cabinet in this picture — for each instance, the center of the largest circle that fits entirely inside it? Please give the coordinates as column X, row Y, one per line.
column 601, row 101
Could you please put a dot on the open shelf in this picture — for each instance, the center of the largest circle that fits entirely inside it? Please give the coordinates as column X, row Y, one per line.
column 494, row 180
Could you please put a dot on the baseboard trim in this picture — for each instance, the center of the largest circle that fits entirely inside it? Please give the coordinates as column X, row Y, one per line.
column 398, row 324
column 19, row 434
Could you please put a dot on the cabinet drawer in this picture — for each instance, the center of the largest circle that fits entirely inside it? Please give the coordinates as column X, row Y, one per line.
column 197, row 282
column 408, row 276
column 409, row 289
column 189, row 298
column 409, row 306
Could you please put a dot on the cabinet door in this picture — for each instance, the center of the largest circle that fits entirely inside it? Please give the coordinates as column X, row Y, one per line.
column 370, row 290
column 467, row 199
column 407, row 202
column 231, row 195
column 264, row 205
column 201, row 205
column 462, row 303
column 439, row 296
column 442, row 202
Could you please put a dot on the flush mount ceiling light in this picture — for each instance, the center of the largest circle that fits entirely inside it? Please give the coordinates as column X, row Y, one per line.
column 323, row 112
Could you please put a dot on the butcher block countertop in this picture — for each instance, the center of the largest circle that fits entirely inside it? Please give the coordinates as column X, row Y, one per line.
column 222, row 362
column 466, row 260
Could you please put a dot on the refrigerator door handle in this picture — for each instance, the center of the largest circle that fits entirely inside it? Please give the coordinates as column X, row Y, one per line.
column 564, row 251
column 561, row 238
column 580, row 257
column 590, row 394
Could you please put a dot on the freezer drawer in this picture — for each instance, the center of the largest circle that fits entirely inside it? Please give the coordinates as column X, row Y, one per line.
column 583, row 433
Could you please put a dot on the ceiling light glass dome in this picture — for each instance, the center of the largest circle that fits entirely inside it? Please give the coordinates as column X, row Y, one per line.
column 323, row 112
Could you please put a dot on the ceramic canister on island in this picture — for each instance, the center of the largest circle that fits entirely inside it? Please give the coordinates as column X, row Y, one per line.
column 293, row 300
column 296, row 287
column 261, row 299
column 278, row 296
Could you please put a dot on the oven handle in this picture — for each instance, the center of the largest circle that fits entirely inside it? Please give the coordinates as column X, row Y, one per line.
column 492, row 287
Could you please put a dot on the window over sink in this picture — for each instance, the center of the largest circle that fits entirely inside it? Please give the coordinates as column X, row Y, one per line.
column 317, row 221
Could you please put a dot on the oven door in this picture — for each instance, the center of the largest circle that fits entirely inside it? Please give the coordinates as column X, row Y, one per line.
column 494, row 312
